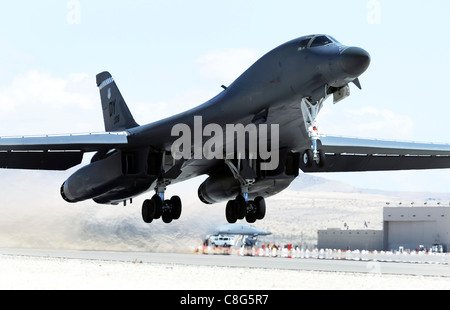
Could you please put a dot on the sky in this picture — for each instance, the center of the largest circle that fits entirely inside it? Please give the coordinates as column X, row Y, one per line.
column 169, row 56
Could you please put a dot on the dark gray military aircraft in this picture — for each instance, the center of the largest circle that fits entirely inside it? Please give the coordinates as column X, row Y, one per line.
column 276, row 102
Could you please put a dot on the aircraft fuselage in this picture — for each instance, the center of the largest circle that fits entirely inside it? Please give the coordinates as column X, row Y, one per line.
column 270, row 92
column 279, row 79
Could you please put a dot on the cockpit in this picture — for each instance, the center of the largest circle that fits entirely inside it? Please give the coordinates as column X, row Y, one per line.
column 316, row 41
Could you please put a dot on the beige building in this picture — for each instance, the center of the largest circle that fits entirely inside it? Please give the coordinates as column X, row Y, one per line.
column 403, row 227
column 411, row 227
column 364, row 239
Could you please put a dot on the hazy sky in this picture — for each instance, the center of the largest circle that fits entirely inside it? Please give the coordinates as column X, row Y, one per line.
column 168, row 56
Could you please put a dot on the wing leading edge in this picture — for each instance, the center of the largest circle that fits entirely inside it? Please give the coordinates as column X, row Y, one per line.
column 54, row 152
column 352, row 154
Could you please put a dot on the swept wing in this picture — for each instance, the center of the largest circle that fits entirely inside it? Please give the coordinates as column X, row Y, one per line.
column 343, row 154
column 54, row 152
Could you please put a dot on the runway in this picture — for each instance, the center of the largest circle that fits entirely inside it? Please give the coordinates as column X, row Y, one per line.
column 69, row 269
column 274, row 263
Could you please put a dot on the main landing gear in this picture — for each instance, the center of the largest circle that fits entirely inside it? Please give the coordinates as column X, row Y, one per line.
column 157, row 207
column 239, row 208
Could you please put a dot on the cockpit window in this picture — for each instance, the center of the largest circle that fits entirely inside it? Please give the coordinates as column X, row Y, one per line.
column 335, row 41
column 303, row 44
column 321, row 41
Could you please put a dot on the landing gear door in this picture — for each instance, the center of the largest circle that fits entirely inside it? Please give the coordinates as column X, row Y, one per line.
column 341, row 93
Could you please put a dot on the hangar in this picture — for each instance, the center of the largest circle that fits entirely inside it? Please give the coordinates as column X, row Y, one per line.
column 403, row 227
column 411, row 227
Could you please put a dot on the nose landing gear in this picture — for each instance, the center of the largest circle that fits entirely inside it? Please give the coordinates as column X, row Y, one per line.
column 310, row 112
column 309, row 158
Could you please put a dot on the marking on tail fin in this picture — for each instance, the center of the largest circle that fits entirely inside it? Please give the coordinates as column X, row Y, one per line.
column 106, row 83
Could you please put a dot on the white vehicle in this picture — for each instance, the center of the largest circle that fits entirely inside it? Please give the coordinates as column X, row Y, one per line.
column 222, row 241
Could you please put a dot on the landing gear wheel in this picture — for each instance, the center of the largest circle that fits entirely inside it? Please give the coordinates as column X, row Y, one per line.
column 230, row 211
column 260, row 205
column 308, row 158
column 241, row 207
column 152, row 209
column 250, row 217
column 321, row 160
column 157, row 207
column 175, row 201
column 147, row 211
column 167, row 215
column 238, row 209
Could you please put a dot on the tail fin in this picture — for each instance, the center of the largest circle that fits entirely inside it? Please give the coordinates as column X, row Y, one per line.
column 116, row 114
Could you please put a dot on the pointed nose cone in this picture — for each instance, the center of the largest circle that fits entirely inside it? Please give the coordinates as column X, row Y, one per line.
column 355, row 61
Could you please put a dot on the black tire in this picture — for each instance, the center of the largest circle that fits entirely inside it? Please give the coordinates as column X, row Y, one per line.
column 157, row 210
column 175, row 201
column 250, row 217
column 230, row 211
column 167, row 217
column 260, row 205
column 308, row 158
column 147, row 211
column 241, row 207
column 321, row 161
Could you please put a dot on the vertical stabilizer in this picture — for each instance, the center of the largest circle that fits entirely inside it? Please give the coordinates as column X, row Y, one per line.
column 116, row 114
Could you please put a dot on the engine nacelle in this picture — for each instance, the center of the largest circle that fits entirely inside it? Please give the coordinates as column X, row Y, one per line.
column 93, row 180
column 218, row 188
column 113, row 178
